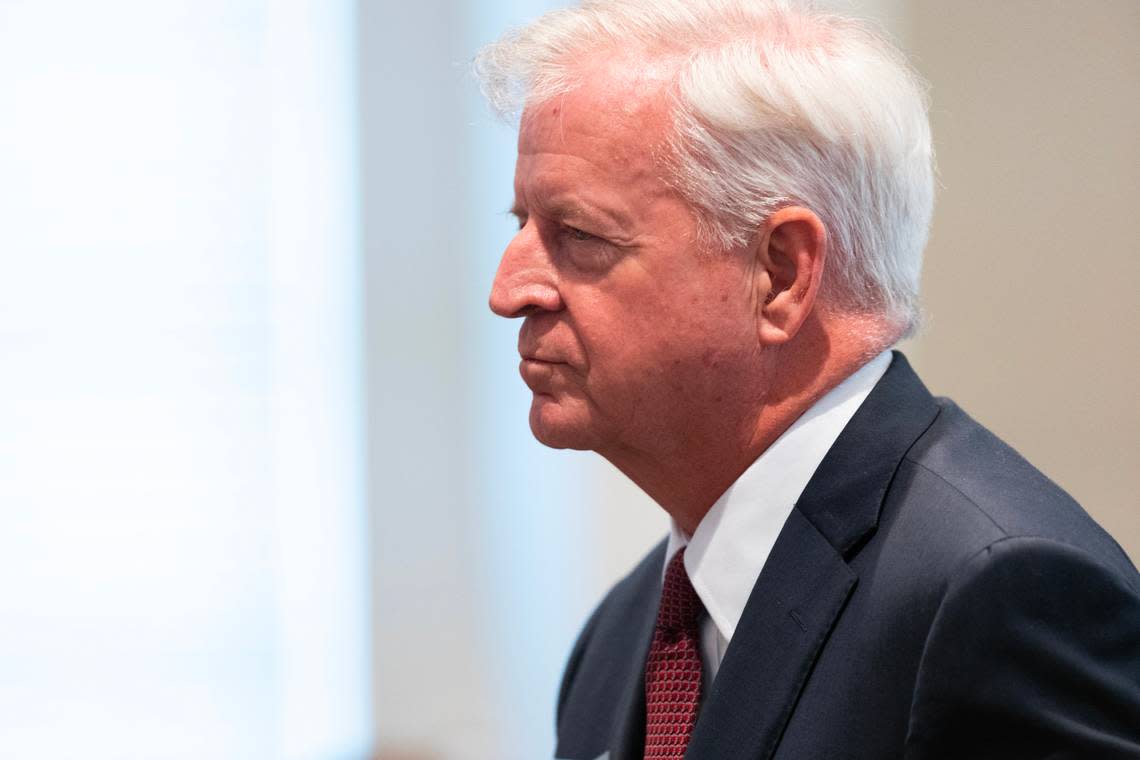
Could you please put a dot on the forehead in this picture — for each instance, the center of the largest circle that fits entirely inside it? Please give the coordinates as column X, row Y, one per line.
column 615, row 121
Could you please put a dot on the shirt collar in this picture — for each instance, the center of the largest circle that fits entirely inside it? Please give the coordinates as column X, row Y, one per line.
column 732, row 542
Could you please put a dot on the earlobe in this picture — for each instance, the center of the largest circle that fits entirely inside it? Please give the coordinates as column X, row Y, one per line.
column 790, row 260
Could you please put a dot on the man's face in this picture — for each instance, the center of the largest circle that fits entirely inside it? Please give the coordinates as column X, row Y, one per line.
column 633, row 336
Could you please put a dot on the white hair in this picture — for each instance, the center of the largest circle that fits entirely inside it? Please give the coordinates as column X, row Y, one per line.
column 776, row 104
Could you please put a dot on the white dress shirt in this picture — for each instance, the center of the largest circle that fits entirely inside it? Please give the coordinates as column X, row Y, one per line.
column 731, row 544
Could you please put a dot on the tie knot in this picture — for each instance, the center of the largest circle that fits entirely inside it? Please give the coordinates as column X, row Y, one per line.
column 680, row 606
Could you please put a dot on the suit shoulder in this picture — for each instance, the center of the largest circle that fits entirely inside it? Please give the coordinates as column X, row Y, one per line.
column 980, row 479
column 1034, row 645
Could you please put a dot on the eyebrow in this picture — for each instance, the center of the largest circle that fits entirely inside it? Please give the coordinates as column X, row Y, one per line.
column 569, row 208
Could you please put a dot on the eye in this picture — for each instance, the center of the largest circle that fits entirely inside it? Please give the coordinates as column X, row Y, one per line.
column 580, row 235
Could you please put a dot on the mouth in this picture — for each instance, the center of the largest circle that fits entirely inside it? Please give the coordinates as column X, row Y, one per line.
column 541, row 356
column 539, row 374
column 531, row 367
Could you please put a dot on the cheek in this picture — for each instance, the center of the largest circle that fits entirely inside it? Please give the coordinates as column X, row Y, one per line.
column 637, row 356
column 669, row 331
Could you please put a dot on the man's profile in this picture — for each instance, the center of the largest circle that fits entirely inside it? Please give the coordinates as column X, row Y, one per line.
column 722, row 210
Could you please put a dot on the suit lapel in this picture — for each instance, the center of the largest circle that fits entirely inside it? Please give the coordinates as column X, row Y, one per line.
column 806, row 580
column 844, row 496
column 791, row 610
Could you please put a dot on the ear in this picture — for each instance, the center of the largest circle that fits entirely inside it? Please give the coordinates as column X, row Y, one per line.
column 789, row 268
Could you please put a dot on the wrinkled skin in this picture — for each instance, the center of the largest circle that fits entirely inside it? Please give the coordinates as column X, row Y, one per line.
column 671, row 360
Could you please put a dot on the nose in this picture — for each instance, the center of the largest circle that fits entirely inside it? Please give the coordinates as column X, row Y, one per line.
column 526, row 280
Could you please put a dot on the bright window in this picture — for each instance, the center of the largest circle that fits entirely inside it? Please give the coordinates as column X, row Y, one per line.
column 183, row 568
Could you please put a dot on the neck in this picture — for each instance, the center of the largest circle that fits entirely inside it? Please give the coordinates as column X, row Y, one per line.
column 687, row 473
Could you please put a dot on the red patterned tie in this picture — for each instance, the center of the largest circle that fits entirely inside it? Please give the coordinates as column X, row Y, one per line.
column 673, row 670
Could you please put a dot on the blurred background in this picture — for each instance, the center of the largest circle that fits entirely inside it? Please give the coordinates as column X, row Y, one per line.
column 267, row 488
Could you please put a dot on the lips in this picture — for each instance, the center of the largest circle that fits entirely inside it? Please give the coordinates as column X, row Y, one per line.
column 541, row 358
column 542, row 339
column 542, row 354
column 538, row 374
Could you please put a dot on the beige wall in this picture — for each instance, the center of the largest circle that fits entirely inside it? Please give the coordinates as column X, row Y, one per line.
column 1032, row 278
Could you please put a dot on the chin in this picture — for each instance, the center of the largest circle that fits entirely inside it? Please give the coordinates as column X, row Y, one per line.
column 559, row 427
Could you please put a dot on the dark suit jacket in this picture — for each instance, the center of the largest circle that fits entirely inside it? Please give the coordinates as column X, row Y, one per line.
column 932, row 595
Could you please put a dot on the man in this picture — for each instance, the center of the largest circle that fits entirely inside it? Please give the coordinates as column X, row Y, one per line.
column 722, row 209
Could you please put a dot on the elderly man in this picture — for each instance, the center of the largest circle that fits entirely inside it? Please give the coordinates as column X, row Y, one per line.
column 722, row 209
